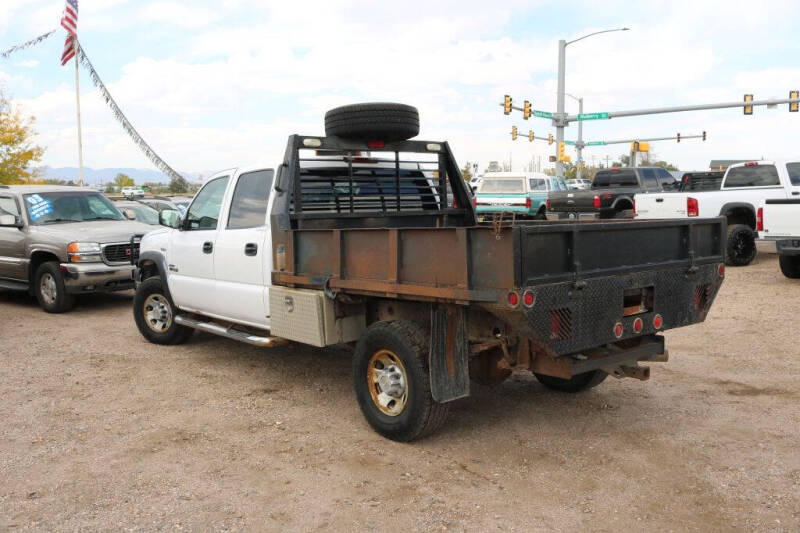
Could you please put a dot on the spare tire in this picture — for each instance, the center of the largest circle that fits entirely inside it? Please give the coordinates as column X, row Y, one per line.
column 373, row 122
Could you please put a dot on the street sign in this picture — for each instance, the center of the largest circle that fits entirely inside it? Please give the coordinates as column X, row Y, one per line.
column 571, row 143
column 595, row 143
column 542, row 114
column 592, row 116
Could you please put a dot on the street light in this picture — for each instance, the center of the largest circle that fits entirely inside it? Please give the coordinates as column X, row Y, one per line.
column 579, row 144
column 559, row 118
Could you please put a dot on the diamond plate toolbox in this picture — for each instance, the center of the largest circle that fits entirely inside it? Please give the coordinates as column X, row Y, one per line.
column 297, row 315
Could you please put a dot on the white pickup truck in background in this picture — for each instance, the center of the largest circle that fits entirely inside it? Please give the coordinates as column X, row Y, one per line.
column 779, row 221
column 745, row 186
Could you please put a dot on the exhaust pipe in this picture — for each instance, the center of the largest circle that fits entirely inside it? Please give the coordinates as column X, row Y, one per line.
column 642, row 373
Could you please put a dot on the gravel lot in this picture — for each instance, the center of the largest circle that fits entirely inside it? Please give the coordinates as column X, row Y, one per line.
column 102, row 430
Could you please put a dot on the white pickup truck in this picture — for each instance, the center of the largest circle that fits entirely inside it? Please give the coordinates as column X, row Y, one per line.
column 779, row 220
column 744, row 187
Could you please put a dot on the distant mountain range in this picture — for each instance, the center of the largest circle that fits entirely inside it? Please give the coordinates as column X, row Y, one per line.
column 103, row 175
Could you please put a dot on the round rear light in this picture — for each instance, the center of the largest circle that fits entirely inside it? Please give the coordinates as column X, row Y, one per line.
column 618, row 330
column 658, row 322
column 638, row 325
column 513, row 299
column 721, row 270
column 528, row 298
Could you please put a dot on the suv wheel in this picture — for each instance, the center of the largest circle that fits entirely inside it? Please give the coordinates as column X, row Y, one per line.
column 154, row 314
column 49, row 289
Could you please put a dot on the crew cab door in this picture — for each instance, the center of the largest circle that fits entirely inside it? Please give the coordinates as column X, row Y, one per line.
column 191, row 255
column 13, row 264
column 243, row 255
column 793, row 170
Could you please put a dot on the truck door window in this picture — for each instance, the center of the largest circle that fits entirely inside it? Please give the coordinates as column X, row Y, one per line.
column 8, row 206
column 537, row 184
column 794, row 172
column 667, row 180
column 204, row 211
column 249, row 204
column 752, row 176
column 649, row 180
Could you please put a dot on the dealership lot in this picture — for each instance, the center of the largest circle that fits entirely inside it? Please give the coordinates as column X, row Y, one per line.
column 104, row 430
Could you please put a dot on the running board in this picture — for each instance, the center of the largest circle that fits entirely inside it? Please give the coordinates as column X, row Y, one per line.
column 235, row 334
column 13, row 285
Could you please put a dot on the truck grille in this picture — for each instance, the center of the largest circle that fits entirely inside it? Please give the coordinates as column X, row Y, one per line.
column 119, row 252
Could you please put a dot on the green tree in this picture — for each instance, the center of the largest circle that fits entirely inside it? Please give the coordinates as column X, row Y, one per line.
column 17, row 150
column 123, row 180
column 178, row 184
column 466, row 172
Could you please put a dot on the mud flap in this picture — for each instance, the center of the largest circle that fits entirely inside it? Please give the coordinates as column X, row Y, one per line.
column 449, row 355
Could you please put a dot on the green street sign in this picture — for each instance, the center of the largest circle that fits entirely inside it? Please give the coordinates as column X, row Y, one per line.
column 570, row 143
column 596, row 143
column 542, row 114
column 592, row 116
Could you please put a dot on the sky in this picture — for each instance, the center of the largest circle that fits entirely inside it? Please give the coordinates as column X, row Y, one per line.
column 218, row 84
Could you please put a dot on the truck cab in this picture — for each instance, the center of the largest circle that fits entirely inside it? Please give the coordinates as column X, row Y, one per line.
column 521, row 193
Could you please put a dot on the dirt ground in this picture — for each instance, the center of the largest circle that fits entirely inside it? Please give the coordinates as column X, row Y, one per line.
column 102, row 430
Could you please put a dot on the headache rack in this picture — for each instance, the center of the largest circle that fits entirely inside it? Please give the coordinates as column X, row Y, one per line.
column 331, row 182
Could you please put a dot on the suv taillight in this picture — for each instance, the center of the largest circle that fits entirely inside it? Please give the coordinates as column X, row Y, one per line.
column 596, row 202
column 528, row 202
column 692, row 209
column 760, row 219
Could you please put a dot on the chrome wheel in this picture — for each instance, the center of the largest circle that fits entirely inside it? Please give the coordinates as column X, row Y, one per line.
column 157, row 313
column 48, row 288
column 387, row 382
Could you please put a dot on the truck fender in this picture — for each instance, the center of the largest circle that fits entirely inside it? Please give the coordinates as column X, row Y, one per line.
column 741, row 209
column 622, row 199
column 449, row 354
column 151, row 257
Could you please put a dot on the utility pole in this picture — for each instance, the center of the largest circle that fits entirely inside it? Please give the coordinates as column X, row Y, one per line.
column 579, row 144
column 607, row 158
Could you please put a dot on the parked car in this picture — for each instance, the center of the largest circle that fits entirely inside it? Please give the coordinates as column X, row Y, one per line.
column 521, row 193
column 139, row 212
column 57, row 242
column 744, row 187
column 132, row 192
column 611, row 194
column 326, row 248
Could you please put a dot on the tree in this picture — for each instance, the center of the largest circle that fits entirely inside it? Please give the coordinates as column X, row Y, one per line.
column 17, row 149
column 178, row 184
column 466, row 172
column 123, row 180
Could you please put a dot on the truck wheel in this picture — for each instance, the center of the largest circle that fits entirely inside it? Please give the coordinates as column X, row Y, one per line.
column 392, row 384
column 740, row 248
column 49, row 289
column 373, row 122
column 154, row 314
column 578, row 383
column 790, row 265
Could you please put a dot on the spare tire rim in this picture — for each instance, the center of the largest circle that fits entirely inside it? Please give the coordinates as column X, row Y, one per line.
column 48, row 288
column 387, row 381
column 157, row 313
column 743, row 244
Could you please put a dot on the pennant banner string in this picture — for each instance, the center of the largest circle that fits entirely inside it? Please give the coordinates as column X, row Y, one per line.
column 22, row 46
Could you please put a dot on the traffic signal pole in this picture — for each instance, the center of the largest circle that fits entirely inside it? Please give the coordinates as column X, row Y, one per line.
column 558, row 119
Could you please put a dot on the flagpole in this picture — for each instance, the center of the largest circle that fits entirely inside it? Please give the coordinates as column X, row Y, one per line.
column 78, row 100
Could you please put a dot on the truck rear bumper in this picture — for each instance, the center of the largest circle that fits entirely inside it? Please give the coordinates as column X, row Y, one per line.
column 576, row 215
column 788, row 247
column 97, row 277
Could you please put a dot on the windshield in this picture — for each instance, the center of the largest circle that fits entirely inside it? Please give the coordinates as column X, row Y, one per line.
column 144, row 214
column 56, row 207
column 503, row 185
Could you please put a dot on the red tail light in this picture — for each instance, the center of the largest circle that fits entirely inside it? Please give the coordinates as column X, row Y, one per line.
column 513, row 299
column 692, row 209
column 634, row 205
column 528, row 299
column 596, row 201
column 528, row 202
column 658, row 322
column 375, row 145
column 638, row 325
column 618, row 330
column 548, row 203
column 760, row 219
column 474, row 201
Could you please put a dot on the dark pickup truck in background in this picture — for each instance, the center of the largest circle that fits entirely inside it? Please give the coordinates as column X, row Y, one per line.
column 611, row 194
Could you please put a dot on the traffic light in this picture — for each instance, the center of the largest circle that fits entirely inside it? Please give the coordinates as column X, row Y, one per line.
column 513, row 133
column 583, row 164
column 640, row 146
column 526, row 110
column 679, row 137
column 506, row 105
column 704, row 135
column 748, row 109
column 635, row 146
column 794, row 105
column 550, row 138
column 552, row 159
column 530, row 135
column 562, row 146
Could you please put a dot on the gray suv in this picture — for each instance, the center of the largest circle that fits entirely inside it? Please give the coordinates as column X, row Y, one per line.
column 56, row 242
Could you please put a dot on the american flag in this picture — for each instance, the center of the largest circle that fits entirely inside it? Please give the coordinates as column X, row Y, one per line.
column 69, row 21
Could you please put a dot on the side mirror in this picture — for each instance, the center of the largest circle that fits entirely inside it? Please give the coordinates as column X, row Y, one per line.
column 169, row 218
column 130, row 214
column 10, row 221
column 280, row 186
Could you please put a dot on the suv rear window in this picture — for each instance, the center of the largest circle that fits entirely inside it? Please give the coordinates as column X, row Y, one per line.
column 752, row 176
column 794, row 172
column 610, row 178
column 503, row 185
